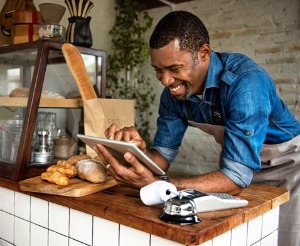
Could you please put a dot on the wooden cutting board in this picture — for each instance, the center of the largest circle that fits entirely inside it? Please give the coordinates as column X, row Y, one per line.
column 76, row 188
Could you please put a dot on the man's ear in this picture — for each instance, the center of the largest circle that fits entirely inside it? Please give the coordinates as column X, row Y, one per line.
column 204, row 52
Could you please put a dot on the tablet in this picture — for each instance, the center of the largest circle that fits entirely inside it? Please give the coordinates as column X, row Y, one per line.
column 119, row 148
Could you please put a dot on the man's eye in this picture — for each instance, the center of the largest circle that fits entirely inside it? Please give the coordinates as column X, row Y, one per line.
column 175, row 69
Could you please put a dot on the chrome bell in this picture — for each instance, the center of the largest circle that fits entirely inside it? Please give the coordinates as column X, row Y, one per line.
column 180, row 210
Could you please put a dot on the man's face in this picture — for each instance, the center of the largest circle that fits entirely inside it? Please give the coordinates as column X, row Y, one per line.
column 180, row 71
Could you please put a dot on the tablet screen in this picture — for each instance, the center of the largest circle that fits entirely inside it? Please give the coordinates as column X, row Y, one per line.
column 119, row 148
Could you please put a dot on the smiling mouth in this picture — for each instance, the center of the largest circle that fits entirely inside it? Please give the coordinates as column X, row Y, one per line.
column 181, row 91
column 174, row 89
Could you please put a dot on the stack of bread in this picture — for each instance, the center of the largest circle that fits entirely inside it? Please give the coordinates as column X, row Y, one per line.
column 82, row 166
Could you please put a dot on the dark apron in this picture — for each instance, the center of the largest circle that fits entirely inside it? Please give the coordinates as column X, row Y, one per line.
column 280, row 168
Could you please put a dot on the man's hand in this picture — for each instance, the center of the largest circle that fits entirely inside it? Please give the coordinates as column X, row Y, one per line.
column 126, row 134
column 137, row 175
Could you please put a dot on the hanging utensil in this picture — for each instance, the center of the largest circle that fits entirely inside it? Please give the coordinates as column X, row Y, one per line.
column 69, row 7
column 87, row 8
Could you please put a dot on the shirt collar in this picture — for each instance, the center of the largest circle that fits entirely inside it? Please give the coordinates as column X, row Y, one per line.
column 214, row 72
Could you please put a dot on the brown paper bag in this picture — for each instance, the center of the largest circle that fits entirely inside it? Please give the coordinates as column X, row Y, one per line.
column 100, row 113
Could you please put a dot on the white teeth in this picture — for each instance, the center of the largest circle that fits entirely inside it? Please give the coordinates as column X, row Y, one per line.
column 175, row 88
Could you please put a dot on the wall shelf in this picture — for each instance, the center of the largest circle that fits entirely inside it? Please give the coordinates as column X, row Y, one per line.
column 44, row 102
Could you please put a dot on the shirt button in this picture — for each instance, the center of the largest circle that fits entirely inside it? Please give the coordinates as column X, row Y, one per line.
column 248, row 133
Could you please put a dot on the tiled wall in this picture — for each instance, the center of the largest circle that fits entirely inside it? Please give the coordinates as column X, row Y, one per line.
column 26, row 220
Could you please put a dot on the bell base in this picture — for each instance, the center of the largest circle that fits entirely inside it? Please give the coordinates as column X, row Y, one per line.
column 178, row 219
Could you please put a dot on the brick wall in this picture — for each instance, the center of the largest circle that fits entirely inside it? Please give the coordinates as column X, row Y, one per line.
column 267, row 31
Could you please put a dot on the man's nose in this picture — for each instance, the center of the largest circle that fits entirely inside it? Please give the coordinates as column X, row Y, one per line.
column 167, row 79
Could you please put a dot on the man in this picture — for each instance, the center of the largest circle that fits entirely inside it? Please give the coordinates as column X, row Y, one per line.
column 228, row 96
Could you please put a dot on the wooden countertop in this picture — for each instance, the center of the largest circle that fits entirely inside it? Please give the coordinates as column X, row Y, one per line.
column 123, row 205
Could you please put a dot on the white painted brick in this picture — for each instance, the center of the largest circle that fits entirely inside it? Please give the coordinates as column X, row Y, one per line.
column 239, row 235
column 7, row 222
column 270, row 221
column 132, row 237
column 21, row 232
column 7, row 200
column 39, row 212
column 22, row 206
column 222, row 240
column 254, row 230
column 58, row 239
column 59, row 219
column 81, row 226
column 105, row 232
column 38, row 235
column 158, row 241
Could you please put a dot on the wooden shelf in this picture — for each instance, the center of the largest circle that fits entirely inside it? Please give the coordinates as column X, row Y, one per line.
column 44, row 102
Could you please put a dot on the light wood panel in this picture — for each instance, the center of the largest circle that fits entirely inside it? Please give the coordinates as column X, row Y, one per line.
column 44, row 102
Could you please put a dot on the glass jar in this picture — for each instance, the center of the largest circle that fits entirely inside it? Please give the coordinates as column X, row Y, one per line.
column 3, row 141
column 13, row 133
column 62, row 147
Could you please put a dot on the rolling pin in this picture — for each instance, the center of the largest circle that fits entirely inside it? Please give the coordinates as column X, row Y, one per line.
column 77, row 67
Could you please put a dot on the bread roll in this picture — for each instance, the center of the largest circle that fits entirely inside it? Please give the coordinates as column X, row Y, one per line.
column 77, row 67
column 19, row 92
column 91, row 171
column 56, row 177
column 65, row 168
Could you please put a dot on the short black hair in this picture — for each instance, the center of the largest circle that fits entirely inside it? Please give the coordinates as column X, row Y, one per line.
column 183, row 25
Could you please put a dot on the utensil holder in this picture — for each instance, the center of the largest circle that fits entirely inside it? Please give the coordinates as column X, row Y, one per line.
column 79, row 32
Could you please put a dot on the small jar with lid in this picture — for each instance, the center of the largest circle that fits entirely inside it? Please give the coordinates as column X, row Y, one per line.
column 62, row 146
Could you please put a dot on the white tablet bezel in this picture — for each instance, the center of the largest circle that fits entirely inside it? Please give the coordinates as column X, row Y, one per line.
column 119, row 148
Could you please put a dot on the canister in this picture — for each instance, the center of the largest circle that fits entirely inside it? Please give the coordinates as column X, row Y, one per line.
column 62, row 146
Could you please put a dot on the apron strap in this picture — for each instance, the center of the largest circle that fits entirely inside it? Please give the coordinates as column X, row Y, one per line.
column 189, row 110
column 214, row 108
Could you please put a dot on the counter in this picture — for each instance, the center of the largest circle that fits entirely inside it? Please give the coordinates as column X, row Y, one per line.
column 120, row 207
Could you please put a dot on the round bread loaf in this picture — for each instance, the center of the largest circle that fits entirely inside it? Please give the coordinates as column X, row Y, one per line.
column 19, row 92
column 76, row 158
column 91, row 171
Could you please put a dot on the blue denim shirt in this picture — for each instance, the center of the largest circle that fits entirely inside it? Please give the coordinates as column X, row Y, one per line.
column 251, row 111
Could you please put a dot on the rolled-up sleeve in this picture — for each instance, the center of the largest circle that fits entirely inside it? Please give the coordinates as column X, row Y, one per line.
column 167, row 153
column 240, row 174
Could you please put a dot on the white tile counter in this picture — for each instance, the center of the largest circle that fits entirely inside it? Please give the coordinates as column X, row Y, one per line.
column 29, row 220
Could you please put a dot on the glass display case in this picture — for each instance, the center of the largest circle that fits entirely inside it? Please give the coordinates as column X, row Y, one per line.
column 39, row 101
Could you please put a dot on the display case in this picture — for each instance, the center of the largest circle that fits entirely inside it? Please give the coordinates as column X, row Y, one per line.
column 36, row 88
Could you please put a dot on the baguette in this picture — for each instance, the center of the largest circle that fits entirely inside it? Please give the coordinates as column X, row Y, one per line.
column 77, row 67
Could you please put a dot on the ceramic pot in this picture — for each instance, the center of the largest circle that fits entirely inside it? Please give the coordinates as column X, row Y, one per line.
column 52, row 31
column 78, row 31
